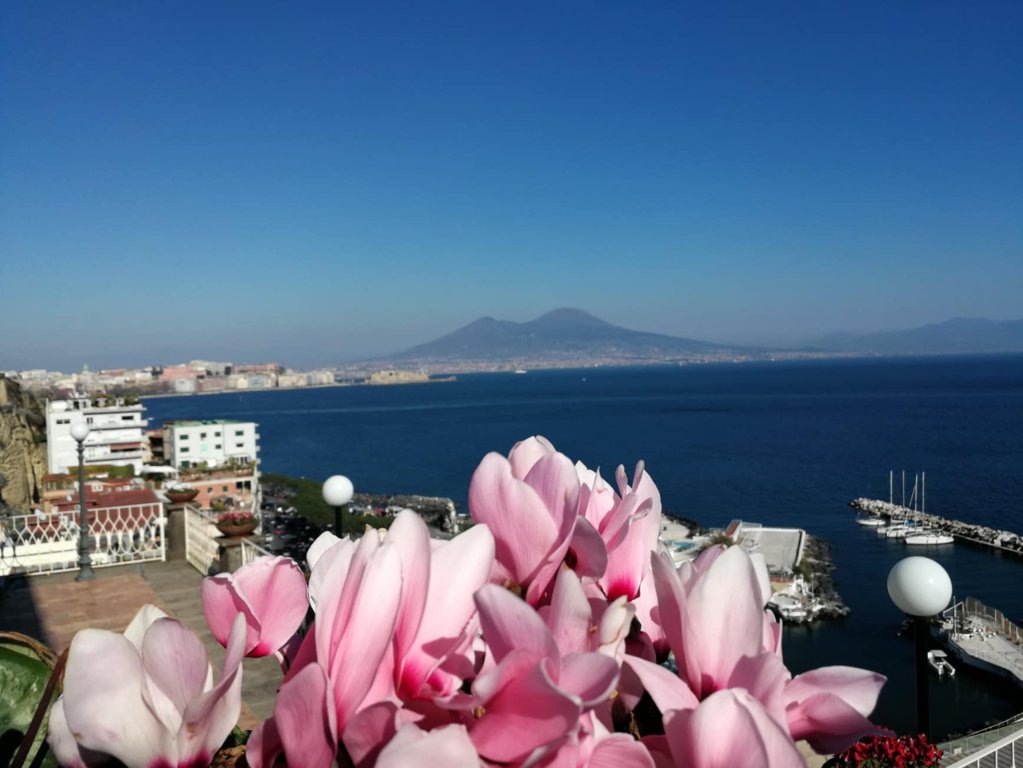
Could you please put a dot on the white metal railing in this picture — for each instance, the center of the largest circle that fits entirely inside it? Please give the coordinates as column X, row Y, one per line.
column 1000, row 746
column 251, row 550
column 202, row 545
column 39, row 543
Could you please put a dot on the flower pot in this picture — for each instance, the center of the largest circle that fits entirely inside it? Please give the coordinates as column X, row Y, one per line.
column 182, row 496
column 232, row 531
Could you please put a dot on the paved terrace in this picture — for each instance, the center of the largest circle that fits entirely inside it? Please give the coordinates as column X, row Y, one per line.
column 52, row 608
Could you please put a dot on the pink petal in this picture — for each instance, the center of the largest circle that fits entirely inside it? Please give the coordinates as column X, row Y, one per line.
column 411, row 538
column 525, row 453
column 859, row 688
column 829, row 707
column 671, row 597
column 667, row 691
column 275, row 587
column 588, row 677
column 588, row 551
column 509, row 624
column 370, row 730
column 620, row 751
column 554, row 479
column 221, row 602
column 59, row 737
column 264, row 745
column 176, row 668
column 449, row 747
column 569, row 616
column 103, row 704
column 596, row 498
column 523, row 528
column 305, row 719
column 764, row 677
column 143, row 620
column 627, row 562
column 528, row 712
column 729, row 730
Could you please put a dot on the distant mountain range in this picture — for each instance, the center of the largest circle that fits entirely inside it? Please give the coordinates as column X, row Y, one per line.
column 956, row 336
column 572, row 335
column 562, row 334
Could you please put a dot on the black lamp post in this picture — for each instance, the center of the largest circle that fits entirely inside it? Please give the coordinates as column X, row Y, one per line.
column 921, row 588
column 80, row 431
column 338, row 491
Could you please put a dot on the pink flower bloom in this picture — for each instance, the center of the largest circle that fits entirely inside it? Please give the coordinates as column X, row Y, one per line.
column 146, row 698
column 411, row 747
column 829, row 706
column 531, row 519
column 269, row 592
column 534, row 697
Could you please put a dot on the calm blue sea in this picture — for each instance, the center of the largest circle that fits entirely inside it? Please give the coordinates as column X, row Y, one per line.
column 777, row 443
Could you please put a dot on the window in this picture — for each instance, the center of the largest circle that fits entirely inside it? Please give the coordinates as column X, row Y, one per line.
column 183, row 436
column 63, row 421
column 239, row 445
column 129, row 417
column 224, row 487
column 184, row 450
column 202, row 435
column 238, row 433
column 185, row 465
column 217, row 446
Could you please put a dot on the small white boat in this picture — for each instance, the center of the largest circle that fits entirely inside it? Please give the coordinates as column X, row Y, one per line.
column 925, row 538
column 521, row 371
column 939, row 663
column 870, row 522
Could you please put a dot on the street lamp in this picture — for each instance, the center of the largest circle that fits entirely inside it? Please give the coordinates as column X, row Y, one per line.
column 338, row 491
column 921, row 588
column 80, row 431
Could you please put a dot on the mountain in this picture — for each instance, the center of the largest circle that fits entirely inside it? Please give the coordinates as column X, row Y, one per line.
column 562, row 334
column 956, row 336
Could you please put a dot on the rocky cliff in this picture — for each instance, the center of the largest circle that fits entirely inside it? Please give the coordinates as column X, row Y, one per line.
column 22, row 446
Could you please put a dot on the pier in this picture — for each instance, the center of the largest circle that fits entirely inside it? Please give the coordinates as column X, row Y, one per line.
column 983, row 637
column 981, row 535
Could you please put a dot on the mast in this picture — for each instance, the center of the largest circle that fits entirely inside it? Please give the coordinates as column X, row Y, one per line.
column 891, row 474
column 923, row 492
column 903, row 488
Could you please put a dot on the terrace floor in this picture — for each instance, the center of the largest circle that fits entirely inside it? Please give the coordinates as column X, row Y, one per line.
column 53, row 607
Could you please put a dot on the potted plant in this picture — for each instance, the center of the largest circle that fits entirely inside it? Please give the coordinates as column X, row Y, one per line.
column 236, row 524
column 181, row 495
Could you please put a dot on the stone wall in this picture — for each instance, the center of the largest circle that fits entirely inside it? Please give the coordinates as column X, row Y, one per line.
column 22, row 447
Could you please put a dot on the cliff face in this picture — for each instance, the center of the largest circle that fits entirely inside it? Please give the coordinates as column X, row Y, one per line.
column 22, row 446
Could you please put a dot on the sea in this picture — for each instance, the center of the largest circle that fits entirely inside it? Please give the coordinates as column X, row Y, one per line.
column 779, row 443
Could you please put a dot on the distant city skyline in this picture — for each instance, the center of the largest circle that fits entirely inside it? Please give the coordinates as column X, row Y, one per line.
column 328, row 183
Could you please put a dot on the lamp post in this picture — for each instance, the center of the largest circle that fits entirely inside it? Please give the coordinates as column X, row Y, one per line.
column 921, row 588
column 338, row 491
column 80, row 431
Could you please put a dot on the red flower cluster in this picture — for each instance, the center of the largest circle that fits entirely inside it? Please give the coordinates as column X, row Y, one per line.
column 236, row 518
column 889, row 752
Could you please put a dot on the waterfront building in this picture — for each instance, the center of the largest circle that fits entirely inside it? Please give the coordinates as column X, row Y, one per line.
column 216, row 457
column 116, row 433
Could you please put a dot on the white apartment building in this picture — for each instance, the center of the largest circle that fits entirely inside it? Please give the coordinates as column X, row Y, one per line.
column 210, row 443
column 116, row 433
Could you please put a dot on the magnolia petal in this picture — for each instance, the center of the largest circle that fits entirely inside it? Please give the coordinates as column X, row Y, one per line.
column 588, row 551
column 525, row 453
column 221, row 602
column 305, row 719
column 523, row 528
column 859, row 688
column 330, row 572
column 275, row 587
column 528, row 712
column 588, row 677
column 667, row 690
column 569, row 616
column 829, row 707
column 411, row 538
column 59, row 737
column 103, row 704
column 323, row 542
column 449, row 747
column 554, row 479
column 264, row 745
column 729, row 730
column 764, row 677
column 671, row 597
column 509, row 624
column 370, row 730
column 176, row 667
column 144, row 619
column 620, row 751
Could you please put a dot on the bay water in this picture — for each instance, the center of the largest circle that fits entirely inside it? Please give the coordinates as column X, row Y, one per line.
column 784, row 444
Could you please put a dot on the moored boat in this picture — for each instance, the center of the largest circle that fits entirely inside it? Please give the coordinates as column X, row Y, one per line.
column 938, row 661
column 924, row 538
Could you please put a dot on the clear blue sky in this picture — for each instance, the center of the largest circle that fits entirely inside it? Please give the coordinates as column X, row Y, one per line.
column 316, row 182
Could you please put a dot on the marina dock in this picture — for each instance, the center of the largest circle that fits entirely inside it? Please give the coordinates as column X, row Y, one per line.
column 984, row 638
column 980, row 535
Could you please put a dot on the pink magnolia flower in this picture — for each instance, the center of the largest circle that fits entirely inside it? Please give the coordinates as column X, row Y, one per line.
column 531, row 518
column 146, row 698
column 412, row 747
column 533, row 698
column 270, row 592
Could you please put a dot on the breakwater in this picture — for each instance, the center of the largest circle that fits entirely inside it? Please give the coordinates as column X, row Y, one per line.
column 981, row 535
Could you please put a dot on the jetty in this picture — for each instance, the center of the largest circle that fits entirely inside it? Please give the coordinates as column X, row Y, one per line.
column 981, row 535
column 984, row 638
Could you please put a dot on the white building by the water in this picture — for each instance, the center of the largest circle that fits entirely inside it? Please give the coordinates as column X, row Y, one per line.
column 210, row 443
column 116, row 433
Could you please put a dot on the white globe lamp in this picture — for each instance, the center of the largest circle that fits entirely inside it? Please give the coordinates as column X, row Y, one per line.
column 79, row 431
column 338, row 491
column 919, row 586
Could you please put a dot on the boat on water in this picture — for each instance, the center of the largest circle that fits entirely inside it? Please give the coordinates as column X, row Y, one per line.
column 925, row 538
column 938, row 661
column 870, row 522
column 520, row 371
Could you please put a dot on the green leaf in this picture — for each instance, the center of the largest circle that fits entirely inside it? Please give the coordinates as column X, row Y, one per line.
column 23, row 678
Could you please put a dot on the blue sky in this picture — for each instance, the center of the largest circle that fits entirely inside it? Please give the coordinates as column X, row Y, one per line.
column 318, row 182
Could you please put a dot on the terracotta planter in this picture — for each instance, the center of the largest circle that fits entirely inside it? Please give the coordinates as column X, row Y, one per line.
column 236, row 531
column 181, row 497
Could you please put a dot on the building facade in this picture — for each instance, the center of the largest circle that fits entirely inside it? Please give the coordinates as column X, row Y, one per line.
column 116, row 433
column 210, row 443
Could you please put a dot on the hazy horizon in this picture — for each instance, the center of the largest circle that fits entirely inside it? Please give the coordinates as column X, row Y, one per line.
column 326, row 183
